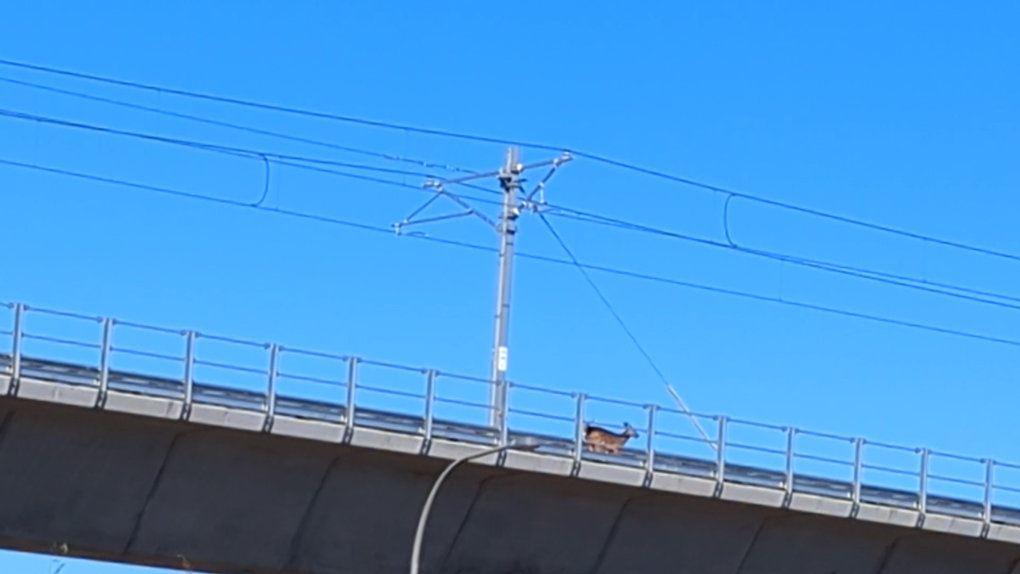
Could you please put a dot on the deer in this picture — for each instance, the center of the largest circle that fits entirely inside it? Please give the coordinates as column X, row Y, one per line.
column 603, row 440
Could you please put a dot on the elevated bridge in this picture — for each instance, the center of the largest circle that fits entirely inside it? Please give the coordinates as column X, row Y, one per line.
column 300, row 464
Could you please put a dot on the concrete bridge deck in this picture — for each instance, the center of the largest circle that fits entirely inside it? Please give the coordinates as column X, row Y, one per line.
column 130, row 481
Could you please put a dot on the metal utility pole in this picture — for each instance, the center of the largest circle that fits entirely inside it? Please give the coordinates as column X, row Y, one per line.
column 510, row 181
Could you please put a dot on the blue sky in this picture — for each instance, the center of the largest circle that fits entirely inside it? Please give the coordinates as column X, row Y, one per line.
column 898, row 115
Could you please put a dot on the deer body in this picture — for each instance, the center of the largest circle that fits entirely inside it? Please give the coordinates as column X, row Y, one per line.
column 599, row 439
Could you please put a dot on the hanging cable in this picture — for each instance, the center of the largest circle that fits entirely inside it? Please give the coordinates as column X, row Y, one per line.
column 626, row 329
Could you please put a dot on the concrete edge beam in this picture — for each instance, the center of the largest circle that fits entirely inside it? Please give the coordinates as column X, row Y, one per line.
column 239, row 419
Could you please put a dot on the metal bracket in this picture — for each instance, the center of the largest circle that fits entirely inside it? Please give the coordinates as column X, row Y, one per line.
column 440, row 192
column 539, row 188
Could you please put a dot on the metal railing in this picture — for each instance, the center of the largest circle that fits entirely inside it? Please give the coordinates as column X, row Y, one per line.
column 273, row 379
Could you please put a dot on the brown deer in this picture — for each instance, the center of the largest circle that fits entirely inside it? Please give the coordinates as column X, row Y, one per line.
column 602, row 440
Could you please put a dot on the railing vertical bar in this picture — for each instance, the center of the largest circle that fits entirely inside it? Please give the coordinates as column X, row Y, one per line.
column 274, row 361
column 430, row 401
column 922, row 497
column 189, row 374
column 858, row 469
column 788, row 482
column 989, row 487
column 352, row 385
column 579, row 430
column 504, row 405
column 650, row 452
column 104, row 363
column 720, row 462
column 19, row 327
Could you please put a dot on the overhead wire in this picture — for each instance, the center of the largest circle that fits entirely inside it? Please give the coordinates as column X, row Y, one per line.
column 535, row 257
column 289, row 160
column 14, row 114
column 236, row 126
column 626, row 329
column 934, row 287
column 946, row 289
column 487, row 139
column 233, row 203
column 271, row 107
column 800, row 209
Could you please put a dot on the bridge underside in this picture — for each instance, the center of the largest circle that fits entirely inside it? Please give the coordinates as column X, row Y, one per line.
column 127, row 488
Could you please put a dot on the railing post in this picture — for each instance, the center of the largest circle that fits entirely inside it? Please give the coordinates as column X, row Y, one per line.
column 104, row 362
column 922, row 496
column 858, row 469
column 579, row 430
column 720, row 458
column 274, row 360
column 989, row 488
column 504, row 405
column 352, row 385
column 189, row 373
column 504, row 412
column 19, row 327
column 650, row 451
column 430, row 401
column 790, row 454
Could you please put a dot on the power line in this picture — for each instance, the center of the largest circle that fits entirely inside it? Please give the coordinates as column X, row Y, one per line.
column 246, row 152
column 271, row 107
column 486, row 139
column 800, row 209
column 945, row 289
column 277, row 158
column 588, row 266
column 934, row 287
column 240, row 127
column 235, row 203
column 626, row 329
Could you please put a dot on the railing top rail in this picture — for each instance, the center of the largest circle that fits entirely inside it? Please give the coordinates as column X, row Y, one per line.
column 958, row 457
column 143, row 326
column 673, row 411
column 768, row 426
column 57, row 313
column 224, row 339
column 619, row 402
column 830, row 436
column 397, row 366
column 319, row 354
column 461, row 377
column 566, row 394
column 907, row 449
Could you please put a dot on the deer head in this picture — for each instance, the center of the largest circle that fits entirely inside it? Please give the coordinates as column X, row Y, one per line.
column 628, row 431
